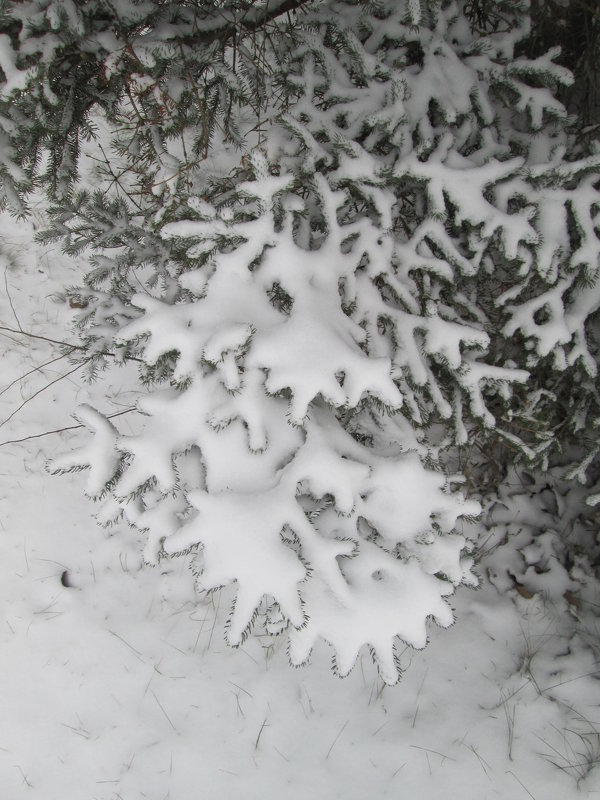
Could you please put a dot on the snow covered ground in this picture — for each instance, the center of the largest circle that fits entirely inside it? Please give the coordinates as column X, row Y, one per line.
column 116, row 684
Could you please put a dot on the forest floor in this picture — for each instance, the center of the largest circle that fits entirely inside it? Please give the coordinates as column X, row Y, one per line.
column 116, row 684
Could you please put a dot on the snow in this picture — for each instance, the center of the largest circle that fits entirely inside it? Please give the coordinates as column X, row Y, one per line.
column 276, row 496
column 117, row 684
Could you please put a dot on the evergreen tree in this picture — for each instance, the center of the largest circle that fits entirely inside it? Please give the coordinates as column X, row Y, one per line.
column 387, row 264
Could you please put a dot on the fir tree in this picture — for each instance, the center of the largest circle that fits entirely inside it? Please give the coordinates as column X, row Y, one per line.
column 387, row 264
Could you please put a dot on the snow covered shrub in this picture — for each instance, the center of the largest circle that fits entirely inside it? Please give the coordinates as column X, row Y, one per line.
column 398, row 265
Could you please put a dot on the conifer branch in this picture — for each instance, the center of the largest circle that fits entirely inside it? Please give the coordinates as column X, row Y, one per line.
column 406, row 272
column 246, row 24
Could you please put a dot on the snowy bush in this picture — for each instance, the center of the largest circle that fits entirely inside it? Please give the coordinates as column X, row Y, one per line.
column 394, row 270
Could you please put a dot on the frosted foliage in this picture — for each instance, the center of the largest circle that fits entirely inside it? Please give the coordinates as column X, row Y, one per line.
column 384, row 276
column 100, row 454
column 259, row 407
column 242, row 542
column 324, row 572
column 384, row 597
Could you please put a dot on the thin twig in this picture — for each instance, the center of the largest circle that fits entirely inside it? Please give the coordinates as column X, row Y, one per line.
column 43, row 389
column 31, row 371
column 510, row 723
column 336, row 738
column 510, row 772
column 116, row 178
column 24, row 776
column 484, row 764
column 511, row 695
column 570, row 680
column 281, row 754
column 61, row 430
column 428, row 750
column 262, row 727
column 43, row 338
column 125, row 642
column 10, row 300
column 241, row 688
column 78, row 731
column 65, row 344
column 164, row 712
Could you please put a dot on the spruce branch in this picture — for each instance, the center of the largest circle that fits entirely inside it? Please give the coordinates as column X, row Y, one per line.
column 246, row 24
column 379, row 273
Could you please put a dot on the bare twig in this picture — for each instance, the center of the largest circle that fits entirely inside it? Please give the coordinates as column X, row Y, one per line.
column 24, row 776
column 164, row 712
column 43, row 338
column 510, row 772
column 510, row 722
column 31, row 371
column 43, row 389
column 281, row 754
column 116, row 178
column 10, row 300
column 64, row 344
column 79, row 731
column 241, row 688
column 336, row 738
column 262, row 727
column 125, row 642
column 436, row 752
column 593, row 674
column 484, row 764
column 61, row 430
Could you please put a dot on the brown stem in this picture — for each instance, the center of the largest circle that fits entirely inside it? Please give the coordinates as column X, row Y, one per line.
column 43, row 338
column 65, row 344
column 60, row 430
